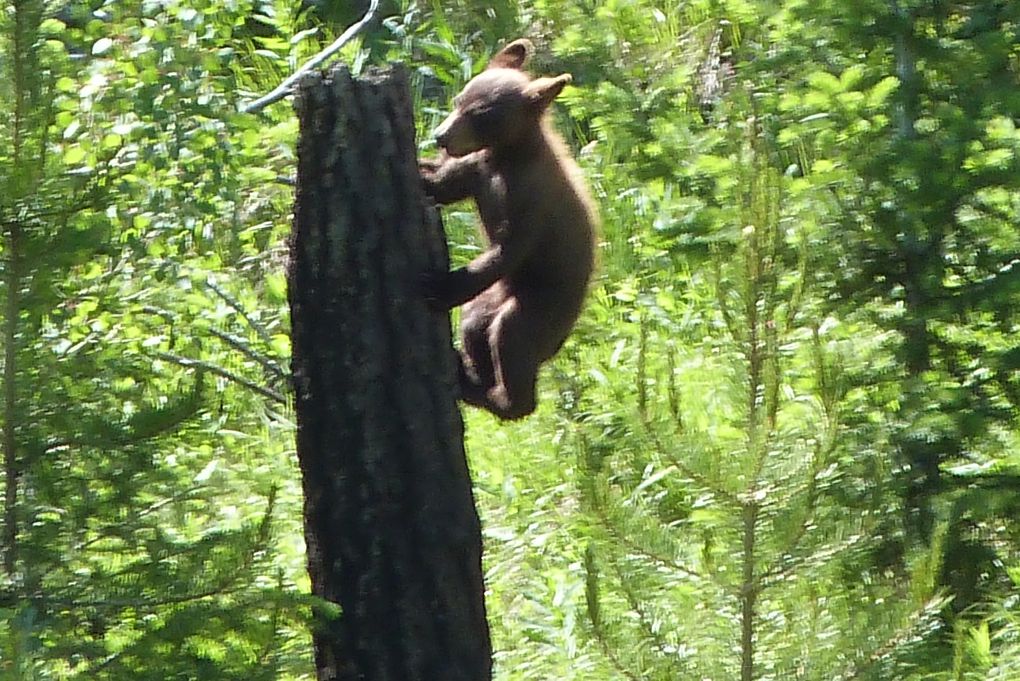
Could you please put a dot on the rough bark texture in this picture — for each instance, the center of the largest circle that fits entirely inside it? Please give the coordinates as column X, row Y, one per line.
column 392, row 531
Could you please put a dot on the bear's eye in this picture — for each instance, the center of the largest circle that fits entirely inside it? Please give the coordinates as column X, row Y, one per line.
column 483, row 117
column 479, row 110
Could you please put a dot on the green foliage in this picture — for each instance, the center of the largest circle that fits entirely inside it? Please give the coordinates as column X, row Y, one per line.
column 888, row 465
column 142, row 538
column 787, row 417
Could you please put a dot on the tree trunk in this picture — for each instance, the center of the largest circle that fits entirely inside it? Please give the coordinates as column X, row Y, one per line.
column 922, row 272
column 26, row 20
column 10, row 397
column 390, row 523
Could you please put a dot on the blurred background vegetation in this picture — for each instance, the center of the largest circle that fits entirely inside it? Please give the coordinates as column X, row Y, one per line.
column 783, row 443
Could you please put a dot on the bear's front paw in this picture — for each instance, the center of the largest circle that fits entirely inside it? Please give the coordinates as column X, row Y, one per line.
column 443, row 290
column 428, row 169
column 429, row 166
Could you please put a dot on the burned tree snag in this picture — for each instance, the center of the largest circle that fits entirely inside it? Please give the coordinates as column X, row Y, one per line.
column 392, row 532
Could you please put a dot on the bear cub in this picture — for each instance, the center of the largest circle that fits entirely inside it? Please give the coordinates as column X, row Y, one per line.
column 523, row 294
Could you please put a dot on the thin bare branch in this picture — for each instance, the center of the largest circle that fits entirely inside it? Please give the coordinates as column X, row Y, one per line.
column 236, row 304
column 265, row 361
column 220, row 371
column 284, row 88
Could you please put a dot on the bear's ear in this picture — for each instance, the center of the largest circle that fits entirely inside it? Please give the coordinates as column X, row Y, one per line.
column 513, row 56
column 542, row 91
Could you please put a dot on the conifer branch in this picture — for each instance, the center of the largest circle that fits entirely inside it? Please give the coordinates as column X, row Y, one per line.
column 106, row 530
column 622, row 538
column 264, row 360
column 822, row 452
column 927, row 612
column 724, row 307
column 614, row 660
column 646, row 624
column 787, row 564
column 687, row 470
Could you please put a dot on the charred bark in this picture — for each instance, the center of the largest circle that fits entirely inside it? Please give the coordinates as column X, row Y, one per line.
column 392, row 532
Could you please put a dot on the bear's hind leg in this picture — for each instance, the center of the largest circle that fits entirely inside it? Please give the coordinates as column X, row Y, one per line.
column 515, row 359
column 476, row 373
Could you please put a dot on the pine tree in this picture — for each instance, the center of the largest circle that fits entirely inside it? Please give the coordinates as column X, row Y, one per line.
column 723, row 546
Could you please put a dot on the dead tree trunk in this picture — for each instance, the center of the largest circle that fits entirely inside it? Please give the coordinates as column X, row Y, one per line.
column 392, row 532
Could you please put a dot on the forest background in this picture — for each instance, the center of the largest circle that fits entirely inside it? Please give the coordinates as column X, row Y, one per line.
column 782, row 444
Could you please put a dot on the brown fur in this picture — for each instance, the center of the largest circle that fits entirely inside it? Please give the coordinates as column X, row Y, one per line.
column 522, row 296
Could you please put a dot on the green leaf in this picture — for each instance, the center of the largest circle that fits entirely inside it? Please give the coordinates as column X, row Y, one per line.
column 101, row 46
column 281, row 345
column 66, row 84
column 73, row 155
column 52, row 27
column 276, row 285
column 71, row 131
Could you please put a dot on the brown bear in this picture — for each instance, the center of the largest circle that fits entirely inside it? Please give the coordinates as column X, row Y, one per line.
column 522, row 296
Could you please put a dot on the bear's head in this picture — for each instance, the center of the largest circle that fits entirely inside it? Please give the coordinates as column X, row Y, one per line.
column 500, row 106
